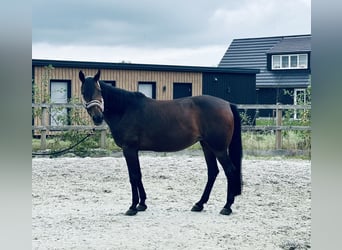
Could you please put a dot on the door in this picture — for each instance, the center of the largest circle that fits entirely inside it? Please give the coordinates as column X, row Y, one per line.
column 181, row 90
column 59, row 91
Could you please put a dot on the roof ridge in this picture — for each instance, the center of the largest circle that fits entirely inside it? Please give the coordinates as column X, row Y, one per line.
column 273, row 37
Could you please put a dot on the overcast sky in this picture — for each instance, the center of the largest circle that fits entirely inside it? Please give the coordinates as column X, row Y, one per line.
column 172, row 32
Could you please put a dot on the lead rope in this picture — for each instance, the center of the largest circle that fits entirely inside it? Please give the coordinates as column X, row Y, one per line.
column 63, row 151
column 100, row 104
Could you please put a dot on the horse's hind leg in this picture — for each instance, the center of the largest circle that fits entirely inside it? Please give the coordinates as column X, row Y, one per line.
column 213, row 171
column 229, row 170
column 142, row 194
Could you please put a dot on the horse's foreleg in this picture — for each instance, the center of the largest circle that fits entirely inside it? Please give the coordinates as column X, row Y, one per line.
column 138, row 191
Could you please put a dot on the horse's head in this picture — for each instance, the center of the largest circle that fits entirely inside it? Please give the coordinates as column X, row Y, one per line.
column 91, row 92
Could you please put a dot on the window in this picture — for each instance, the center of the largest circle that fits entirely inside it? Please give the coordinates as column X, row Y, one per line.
column 303, row 61
column 284, row 62
column 295, row 61
column 148, row 89
column 59, row 93
column 113, row 83
column 299, row 99
column 275, row 62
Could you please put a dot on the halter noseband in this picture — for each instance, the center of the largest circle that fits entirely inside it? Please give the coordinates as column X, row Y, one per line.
column 99, row 103
column 92, row 103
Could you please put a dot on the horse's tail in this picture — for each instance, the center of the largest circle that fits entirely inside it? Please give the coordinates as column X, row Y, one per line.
column 235, row 150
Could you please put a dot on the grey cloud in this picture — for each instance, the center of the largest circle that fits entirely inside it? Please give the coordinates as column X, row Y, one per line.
column 146, row 23
column 140, row 23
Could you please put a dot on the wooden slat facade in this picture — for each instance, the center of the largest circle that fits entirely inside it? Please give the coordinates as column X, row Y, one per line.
column 126, row 76
column 125, row 79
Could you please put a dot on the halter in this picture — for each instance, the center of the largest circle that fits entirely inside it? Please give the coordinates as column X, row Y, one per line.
column 99, row 103
column 92, row 103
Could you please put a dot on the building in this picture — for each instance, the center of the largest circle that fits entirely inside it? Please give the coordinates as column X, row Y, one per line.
column 57, row 81
column 284, row 64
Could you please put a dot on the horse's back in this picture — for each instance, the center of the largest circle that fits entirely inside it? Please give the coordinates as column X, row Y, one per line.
column 200, row 109
column 211, row 102
column 213, row 107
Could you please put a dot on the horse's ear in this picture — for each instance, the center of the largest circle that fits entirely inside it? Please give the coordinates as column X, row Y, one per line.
column 81, row 76
column 97, row 76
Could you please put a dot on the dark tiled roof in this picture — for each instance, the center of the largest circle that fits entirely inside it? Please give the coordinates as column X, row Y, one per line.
column 292, row 44
column 254, row 52
column 147, row 67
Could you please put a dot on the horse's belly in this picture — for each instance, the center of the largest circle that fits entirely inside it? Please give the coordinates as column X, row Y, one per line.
column 169, row 142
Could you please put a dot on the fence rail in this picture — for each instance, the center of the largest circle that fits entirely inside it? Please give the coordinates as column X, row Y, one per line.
column 278, row 128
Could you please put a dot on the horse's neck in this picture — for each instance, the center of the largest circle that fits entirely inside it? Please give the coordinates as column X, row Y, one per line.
column 116, row 100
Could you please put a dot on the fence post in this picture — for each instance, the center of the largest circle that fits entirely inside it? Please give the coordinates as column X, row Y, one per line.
column 43, row 144
column 103, row 138
column 279, row 116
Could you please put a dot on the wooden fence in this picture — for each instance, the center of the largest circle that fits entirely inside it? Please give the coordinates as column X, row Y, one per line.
column 44, row 128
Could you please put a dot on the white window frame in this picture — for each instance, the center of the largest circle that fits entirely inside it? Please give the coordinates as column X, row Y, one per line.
column 296, row 96
column 58, row 94
column 279, row 60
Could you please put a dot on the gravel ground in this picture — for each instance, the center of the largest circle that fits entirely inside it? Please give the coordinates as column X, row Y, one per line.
column 79, row 203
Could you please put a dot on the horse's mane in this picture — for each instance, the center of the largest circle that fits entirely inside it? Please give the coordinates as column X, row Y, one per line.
column 117, row 100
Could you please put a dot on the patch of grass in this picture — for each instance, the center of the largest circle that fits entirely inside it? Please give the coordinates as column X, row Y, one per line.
column 252, row 141
column 51, row 143
column 265, row 122
column 292, row 140
column 196, row 146
column 257, row 141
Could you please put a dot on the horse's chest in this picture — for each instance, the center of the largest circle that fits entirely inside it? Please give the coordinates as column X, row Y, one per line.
column 124, row 134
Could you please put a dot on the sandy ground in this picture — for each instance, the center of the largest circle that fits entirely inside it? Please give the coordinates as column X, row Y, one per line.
column 79, row 203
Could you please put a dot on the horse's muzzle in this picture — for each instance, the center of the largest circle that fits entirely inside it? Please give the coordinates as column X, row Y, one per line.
column 98, row 119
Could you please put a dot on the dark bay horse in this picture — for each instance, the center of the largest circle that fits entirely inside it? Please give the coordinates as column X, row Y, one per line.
column 141, row 123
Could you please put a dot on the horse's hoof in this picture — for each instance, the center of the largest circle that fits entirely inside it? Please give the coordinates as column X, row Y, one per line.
column 131, row 212
column 197, row 208
column 226, row 211
column 141, row 208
